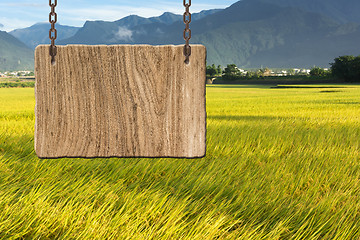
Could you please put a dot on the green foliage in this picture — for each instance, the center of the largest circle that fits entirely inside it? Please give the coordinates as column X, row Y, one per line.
column 280, row 164
column 31, row 74
column 319, row 72
column 252, row 75
column 231, row 73
column 347, row 68
column 211, row 71
column 219, row 70
column 17, row 84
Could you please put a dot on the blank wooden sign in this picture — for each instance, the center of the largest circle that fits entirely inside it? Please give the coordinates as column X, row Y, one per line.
column 120, row 101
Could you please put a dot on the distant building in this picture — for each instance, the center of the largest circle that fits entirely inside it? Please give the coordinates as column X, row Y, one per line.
column 267, row 72
column 297, row 71
column 242, row 71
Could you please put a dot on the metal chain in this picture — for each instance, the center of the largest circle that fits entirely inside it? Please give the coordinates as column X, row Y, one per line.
column 187, row 31
column 53, row 31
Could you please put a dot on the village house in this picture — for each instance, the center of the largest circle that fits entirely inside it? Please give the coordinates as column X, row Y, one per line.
column 305, row 71
column 242, row 71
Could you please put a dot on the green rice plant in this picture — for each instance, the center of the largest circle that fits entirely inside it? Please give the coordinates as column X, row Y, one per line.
column 281, row 163
column 17, row 84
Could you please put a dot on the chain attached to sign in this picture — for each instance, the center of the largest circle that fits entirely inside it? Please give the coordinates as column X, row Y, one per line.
column 187, row 31
column 95, row 101
column 53, row 31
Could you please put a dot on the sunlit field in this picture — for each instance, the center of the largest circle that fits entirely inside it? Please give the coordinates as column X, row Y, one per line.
column 281, row 163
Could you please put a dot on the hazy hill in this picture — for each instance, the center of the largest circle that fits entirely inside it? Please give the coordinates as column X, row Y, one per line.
column 252, row 33
column 249, row 33
column 39, row 34
column 122, row 31
column 340, row 10
column 14, row 55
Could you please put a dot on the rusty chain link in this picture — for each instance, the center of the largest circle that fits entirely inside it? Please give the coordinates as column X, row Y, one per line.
column 187, row 31
column 53, row 31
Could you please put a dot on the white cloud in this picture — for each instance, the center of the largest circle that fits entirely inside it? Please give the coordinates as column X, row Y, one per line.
column 77, row 16
column 123, row 34
column 106, row 13
column 23, row 4
column 22, row 14
column 13, row 23
column 75, row 13
column 178, row 8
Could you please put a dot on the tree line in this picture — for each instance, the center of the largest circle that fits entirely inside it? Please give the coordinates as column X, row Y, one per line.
column 345, row 68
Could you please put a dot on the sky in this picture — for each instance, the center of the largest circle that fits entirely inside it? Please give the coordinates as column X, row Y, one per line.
column 24, row 13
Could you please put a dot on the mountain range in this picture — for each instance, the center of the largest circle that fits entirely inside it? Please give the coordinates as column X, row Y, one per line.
column 255, row 33
column 249, row 33
column 39, row 33
column 339, row 10
column 131, row 29
column 14, row 54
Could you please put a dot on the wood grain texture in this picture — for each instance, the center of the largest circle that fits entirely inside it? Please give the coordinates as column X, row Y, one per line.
column 120, row 101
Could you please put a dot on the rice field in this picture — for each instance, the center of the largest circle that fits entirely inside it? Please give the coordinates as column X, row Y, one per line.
column 281, row 163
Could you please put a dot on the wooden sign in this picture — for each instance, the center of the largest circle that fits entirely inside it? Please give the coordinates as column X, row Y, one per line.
column 120, row 101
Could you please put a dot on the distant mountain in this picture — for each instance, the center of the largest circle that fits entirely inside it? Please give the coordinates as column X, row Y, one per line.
column 343, row 11
column 104, row 32
column 169, row 18
column 14, row 55
column 39, row 34
column 249, row 33
column 255, row 33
